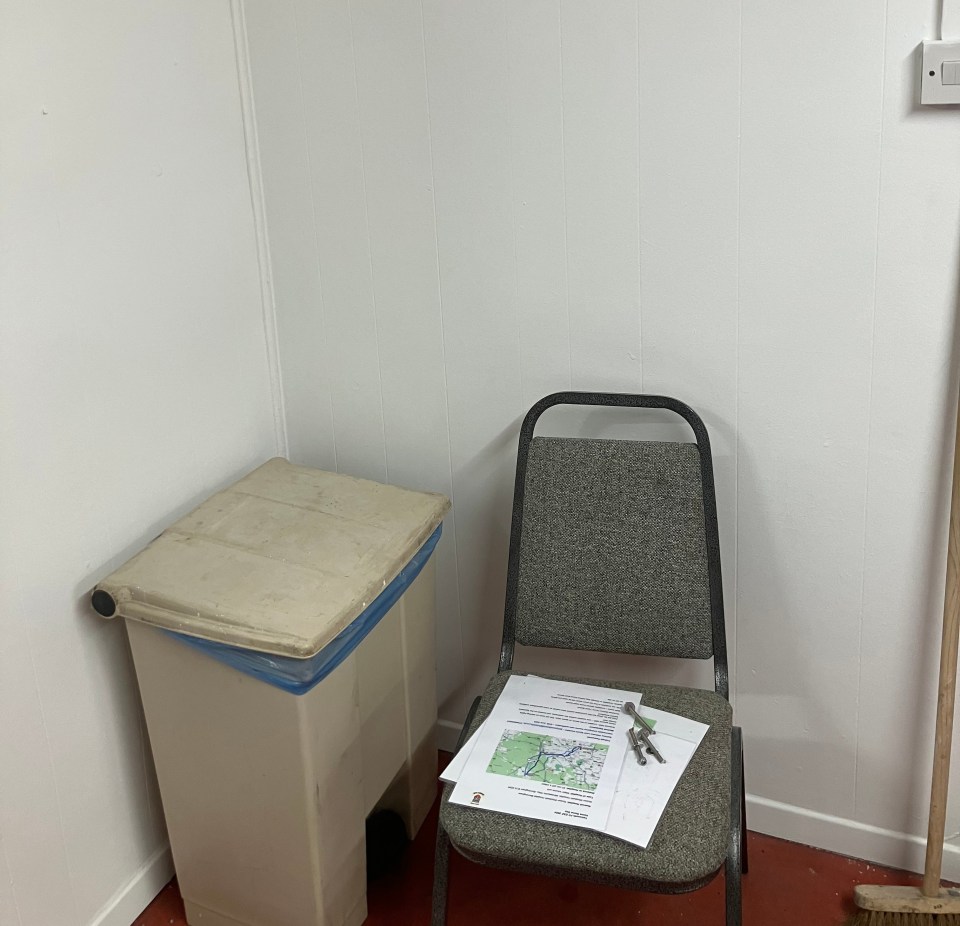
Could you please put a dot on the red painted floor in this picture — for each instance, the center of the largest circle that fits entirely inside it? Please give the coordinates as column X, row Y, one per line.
column 787, row 884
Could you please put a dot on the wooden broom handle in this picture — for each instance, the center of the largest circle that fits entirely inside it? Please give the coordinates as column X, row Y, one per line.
column 947, row 689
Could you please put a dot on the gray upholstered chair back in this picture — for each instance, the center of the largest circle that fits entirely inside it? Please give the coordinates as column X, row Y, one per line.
column 613, row 553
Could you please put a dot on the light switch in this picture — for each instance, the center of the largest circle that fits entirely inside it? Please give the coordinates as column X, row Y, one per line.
column 940, row 73
column 951, row 73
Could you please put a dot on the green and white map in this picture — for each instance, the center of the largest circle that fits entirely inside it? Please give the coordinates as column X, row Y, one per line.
column 549, row 760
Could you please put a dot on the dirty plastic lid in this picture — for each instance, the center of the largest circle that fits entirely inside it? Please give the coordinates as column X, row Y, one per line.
column 298, row 676
column 280, row 562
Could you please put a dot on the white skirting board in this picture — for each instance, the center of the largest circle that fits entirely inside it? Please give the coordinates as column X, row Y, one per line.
column 847, row 837
column 797, row 824
column 448, row 732
column 130, row 901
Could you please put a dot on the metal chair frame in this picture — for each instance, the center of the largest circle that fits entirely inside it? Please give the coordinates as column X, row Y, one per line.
column 736, row 863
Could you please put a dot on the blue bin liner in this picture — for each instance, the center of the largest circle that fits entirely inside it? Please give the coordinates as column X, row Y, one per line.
column 298, row 676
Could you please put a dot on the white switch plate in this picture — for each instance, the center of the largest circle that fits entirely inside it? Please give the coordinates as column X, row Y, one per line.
column 951, row 73
column 933, row 91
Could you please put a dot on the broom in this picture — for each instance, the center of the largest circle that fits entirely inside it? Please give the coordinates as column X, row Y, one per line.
column 930, row 905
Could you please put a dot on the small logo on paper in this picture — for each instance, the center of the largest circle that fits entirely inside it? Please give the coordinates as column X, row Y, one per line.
column 477, row 796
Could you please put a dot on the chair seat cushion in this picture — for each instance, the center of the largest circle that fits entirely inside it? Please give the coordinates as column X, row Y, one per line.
column 687, row 848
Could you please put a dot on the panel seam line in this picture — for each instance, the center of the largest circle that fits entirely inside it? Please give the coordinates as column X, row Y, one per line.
column 869, row 435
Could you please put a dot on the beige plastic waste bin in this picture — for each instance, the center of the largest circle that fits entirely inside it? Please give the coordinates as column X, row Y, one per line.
column 283, row 637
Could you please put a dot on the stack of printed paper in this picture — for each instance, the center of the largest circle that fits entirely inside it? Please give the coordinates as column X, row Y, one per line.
column 559, row 751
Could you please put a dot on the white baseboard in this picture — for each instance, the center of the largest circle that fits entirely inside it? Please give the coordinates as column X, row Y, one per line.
column 130, row 901
column 448, row 732
column 797, row 824
column 847, row 837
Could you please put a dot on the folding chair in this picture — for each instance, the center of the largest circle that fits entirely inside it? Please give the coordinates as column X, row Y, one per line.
column 614, row 548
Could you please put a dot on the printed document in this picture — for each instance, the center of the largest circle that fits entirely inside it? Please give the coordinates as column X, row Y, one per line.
column 642, row 791
column 550, row 750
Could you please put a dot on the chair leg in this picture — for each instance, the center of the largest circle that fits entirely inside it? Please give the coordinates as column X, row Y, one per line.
column 441, row 858
column 734, row 869
column 745, row 865
column 441, row 877
column 465, row 729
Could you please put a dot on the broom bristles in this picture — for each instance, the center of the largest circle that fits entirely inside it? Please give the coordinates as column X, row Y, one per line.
column 883, row 918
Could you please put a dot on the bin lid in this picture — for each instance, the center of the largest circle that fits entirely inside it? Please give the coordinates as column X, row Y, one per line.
column 280, row 562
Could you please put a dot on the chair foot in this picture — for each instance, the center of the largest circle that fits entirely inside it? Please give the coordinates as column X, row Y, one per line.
column 441, row 877
column 734, row 898
column 744, row 861
column 736, row 850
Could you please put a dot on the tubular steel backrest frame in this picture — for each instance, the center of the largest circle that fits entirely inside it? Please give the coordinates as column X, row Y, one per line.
column 711, row 539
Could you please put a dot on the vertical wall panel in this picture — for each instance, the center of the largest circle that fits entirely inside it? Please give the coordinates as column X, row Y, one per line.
column 37, row 862
column 328, row 72
column 8, row 902
column 689, row 177
column 135, row 381
column 285, row 169
column 35, row 856
column 807, row 265
column 600, row 147
column 466, row 44
column 538, row 198
column 395, row 129
column 911, row 438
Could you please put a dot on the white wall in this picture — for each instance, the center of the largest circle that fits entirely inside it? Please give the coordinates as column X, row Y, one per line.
column 133, row 381
column 474, row 203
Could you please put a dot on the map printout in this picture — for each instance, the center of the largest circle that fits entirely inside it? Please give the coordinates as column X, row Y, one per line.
column 642, row 792
column 550, row 750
